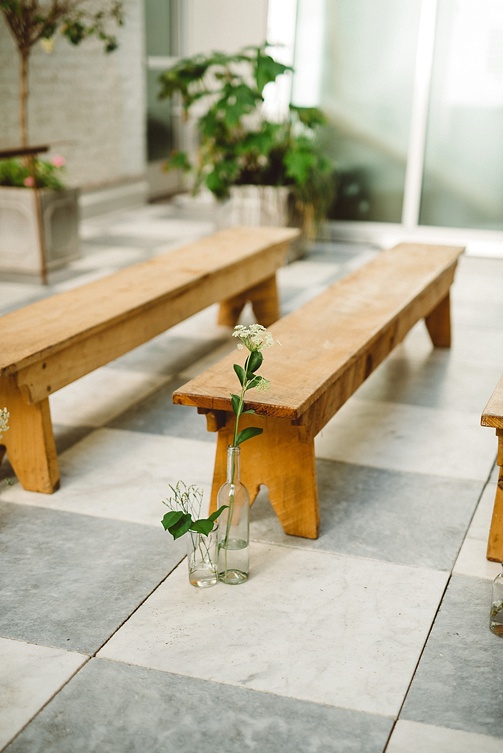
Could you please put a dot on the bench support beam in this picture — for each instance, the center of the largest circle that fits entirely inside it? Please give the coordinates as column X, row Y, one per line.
column 495, row 540
column 29, row 441
column 438, row 324
column 263, row 298
column 285, row 464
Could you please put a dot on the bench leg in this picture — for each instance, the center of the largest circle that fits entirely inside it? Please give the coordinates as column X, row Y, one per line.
column 282, row 458
column 30, row 441
column 264, row 300
column 438, row 324
column 495, row 540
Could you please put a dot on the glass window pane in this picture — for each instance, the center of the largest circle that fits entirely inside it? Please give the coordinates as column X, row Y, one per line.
column 160, row 124
column 463, row 179
column 157, row 26
column 365, row 68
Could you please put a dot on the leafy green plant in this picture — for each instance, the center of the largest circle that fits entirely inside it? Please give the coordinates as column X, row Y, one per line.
column 21, row 173
column 237, row 143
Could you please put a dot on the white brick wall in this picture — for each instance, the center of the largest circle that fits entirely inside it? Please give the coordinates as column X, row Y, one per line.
column 89, row 105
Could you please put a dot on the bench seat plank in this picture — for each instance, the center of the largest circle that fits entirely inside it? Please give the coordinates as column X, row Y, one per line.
column 59, row 339
column 493, row 417
column 328, row 348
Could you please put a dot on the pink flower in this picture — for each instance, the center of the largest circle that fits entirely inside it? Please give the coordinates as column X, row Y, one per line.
column 29, row 182
column 58, row 161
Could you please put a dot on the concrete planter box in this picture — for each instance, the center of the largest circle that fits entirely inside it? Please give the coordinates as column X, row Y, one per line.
column 19, row 235
column 260, row 205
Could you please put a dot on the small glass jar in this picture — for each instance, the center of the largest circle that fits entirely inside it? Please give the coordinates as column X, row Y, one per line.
column 496, row 616
column 202, row 558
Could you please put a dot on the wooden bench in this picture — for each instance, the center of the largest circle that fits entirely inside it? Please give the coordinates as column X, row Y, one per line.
column 53, row 342
column 493, row 416
column 328, row 348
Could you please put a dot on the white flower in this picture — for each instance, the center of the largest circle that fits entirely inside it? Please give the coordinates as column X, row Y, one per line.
column 4, row 420
column 254, row 337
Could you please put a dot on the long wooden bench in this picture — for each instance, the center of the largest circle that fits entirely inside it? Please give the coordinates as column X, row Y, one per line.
column 493, row 416
column 51, row 343
column 328, row 348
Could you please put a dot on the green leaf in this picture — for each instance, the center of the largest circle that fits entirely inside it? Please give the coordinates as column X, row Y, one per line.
column 251, row 431
column 254, row 361
column 204, row 526
column 177, row 523
column 217, row 513
column 235, row 400
column 171, row 518
column 241, row 374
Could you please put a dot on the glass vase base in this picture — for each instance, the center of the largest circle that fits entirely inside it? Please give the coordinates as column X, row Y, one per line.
column 496, row 618
column 203, row 578
column 232, row 577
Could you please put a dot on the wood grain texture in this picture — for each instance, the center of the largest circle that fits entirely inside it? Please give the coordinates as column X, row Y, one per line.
column 493, row 412
column 326, row 350
column 57, row 340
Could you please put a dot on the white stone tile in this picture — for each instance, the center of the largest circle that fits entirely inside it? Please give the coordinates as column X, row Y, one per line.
column 119, row 256
column 315, row 626
column 101, row 396
column 13, row 295
column 123, row 475
column 472, row 558
column 305, row 273
column 472, row 561
column 481, row 521
column 408, row 438
column 29, row 677
column 414, row 737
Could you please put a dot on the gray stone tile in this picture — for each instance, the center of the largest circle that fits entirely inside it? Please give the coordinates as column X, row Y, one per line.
column 69, row 580
column 458, row 680
column 169, row 354
column 117, row 708
column 412, row 737
column 407, row 518
column 435, row 381
column 156, row 414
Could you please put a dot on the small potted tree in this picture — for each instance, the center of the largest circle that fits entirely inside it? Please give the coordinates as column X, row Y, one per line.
column 39, row 227
column 240, row 149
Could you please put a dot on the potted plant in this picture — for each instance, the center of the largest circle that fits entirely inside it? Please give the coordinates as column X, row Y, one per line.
column 238, row 144
column 39, row 227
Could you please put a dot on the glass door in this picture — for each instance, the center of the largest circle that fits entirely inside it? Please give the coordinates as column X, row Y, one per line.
column 414, row 95
column 162, row 33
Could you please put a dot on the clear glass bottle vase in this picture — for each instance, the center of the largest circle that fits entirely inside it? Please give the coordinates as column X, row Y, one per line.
column 234, row 524
column 496, row 617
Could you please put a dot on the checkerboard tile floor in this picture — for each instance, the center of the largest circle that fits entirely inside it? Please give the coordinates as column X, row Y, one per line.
column 372, row 638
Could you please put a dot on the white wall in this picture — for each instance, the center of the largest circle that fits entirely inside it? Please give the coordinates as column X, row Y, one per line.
column 223, row 25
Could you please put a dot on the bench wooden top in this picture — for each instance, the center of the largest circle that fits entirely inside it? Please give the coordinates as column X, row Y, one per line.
column 53, row 324
column 322, row 341
column 493, row 412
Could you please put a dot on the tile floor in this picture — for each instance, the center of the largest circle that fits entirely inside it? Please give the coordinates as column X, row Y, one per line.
column 372, row 638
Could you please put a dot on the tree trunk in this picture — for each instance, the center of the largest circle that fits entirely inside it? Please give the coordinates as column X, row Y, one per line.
column 23, row 99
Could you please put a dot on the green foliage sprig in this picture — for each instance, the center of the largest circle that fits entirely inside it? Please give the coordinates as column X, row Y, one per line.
column 185, row 505
column 27, row 173
column 255, row 338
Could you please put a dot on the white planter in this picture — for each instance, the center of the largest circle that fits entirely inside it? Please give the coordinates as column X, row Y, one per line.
column 259, row 205
column 19, row 234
